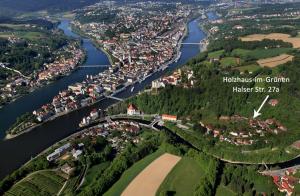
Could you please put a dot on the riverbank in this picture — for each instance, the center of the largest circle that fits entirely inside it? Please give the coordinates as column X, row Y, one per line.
column 81, row 130
column 11, row 136
column 37, row 84
column 94, row 42
column 28, row 145
column 162, row 67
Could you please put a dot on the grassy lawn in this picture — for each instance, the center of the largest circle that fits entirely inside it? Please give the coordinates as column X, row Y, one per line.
column 229, row 61
column 249, row 68
column 224, row 191
column 215, row 54
column 297, row 189
column 183, row 178
column 131, row 173
column 95, row 171
column 39, row 183
column 260, row 53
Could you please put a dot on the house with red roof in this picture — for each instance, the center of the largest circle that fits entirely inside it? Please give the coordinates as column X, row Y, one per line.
column 273, row 102
column 168, row 117
column 132, row 110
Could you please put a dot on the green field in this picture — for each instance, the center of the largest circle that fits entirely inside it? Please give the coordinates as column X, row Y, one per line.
column 224, row 191
column 183, row 179
column 94, row 172
column 216, row 54
column 131, row 173
column 70, row 186
column 38, row 183
column 249, row 68
column 229, row 61
column 260, row 53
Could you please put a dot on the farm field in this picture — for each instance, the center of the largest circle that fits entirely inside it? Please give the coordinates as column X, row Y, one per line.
column 131, row 173
column 183, row 179
column 295, row 41
column 275, row 61
column 45, row 182
column 149, row 180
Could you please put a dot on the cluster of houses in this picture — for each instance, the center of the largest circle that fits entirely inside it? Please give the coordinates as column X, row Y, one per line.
column 286, row 183
column 175, row 79
column 92, row 89
column 256, row 128
column 10, row 89
column 62, row 65
column 128, row 132
column 94, row 115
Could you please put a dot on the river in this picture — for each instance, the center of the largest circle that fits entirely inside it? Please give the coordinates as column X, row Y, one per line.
column 17, row 151
column 36, row 99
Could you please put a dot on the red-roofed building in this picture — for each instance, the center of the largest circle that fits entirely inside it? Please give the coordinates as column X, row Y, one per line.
column 168, row 117
column 132, row 110
column 273, row 102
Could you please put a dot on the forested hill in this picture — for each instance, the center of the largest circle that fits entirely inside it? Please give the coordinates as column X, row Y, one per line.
column 12, row 6
column 50, row 5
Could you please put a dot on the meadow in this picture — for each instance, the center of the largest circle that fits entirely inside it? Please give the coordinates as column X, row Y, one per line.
column 183, row 179
column 131, row 173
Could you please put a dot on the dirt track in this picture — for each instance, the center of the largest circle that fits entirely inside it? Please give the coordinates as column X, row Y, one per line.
column 275, row 61
column 149, row 180
column 277, row 36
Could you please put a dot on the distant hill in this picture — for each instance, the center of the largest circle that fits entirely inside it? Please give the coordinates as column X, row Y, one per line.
column 11, row 6
column 37, row 5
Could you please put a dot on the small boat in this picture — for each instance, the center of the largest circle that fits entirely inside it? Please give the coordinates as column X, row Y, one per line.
column 131, row 90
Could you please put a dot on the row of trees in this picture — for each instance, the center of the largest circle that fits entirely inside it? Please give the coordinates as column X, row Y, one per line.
column 229, row 44
column 246, row 180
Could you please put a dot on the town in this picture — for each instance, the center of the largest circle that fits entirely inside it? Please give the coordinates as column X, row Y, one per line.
column 66, row 60
column 136, row 55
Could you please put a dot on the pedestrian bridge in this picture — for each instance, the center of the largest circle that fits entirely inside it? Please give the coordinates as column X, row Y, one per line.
column 93, row 66
column 190, row 43
column 116, row 98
